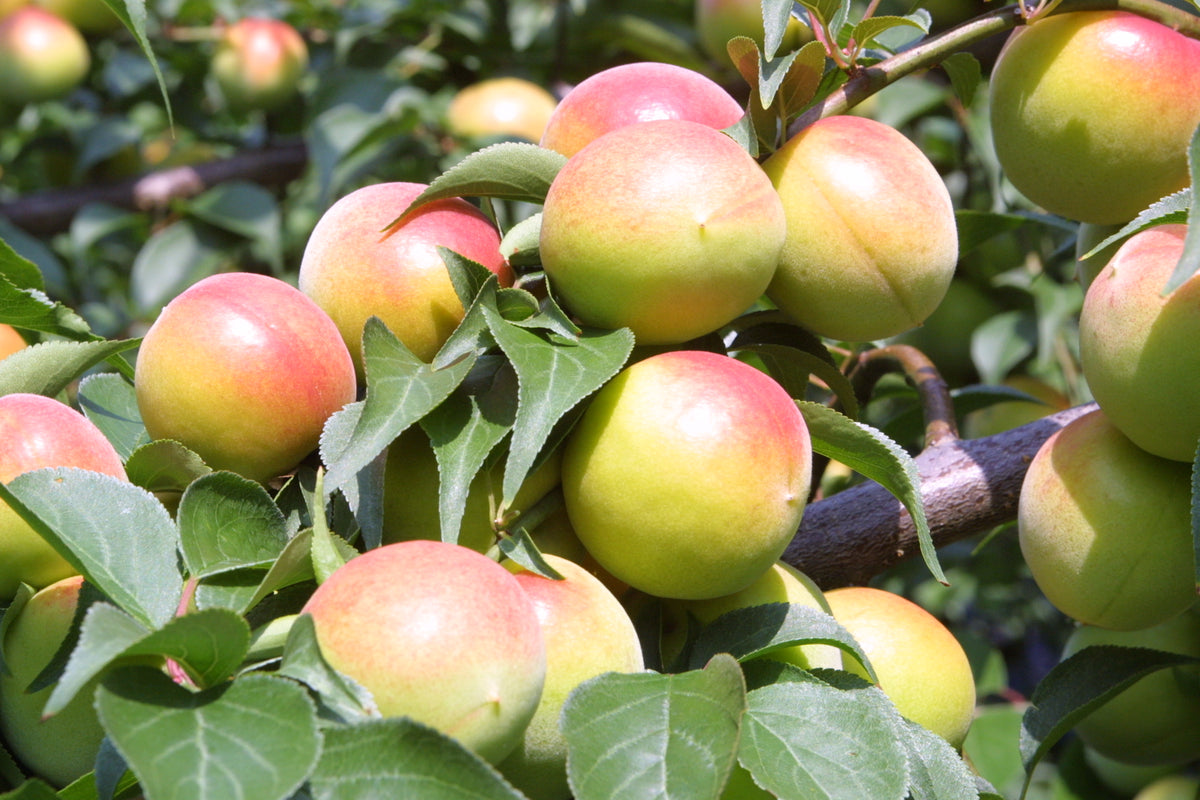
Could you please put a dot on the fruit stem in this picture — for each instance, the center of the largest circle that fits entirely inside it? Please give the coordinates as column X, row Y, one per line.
column 936, row 403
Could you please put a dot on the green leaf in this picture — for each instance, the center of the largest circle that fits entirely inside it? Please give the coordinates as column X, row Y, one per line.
column 401, row 389
column 248, row 210
column 172, row 259
column 228, row 522
column 869, row 452
column 114, row 533
column 1189, row 262
column 809, row 739
column 520, row 245
column 519, row 547
column 647, row 735
column 49, row 367
column 1172, row 209
column 747, row 633
column 32, row 310
column 466, row 276
column 936, row 770
column 552, row 377
column 18, row 270
column 241, row 590
column 255, row 737
column 1078, row 685
column 1195, row 520
column 965, row 75
column 1002, row 342
column 8, row 612
column 977, row 227
column 133, row 14
column 507, row 171
column 802, row 79
column 866, row 31
column 775, row 14
column 34, row 789
column 164, row 465
column 339, row 697
column 110, row 402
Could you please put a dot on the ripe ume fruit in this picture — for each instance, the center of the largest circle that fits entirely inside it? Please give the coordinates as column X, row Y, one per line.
column 244, row 369
column 258, row 63
column 1105, row 527
column 687, row 474
column 872, row 241
column 42, row 56
column 357, row 264
column 505, row 106
column 438, row 633
column 37, row 432
column 700, row 231
column 921, row 666
column 638, row 92
column 1066, row 139
column 63, row 747
column 10, row 340
column 1138, row 348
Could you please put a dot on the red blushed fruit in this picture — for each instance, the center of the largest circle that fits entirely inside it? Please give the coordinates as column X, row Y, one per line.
column 357, row 264
column 640, row 92
column 42, row 56
column 35, row 432
column 259, row 62
column 244, row 369
column 438, row 633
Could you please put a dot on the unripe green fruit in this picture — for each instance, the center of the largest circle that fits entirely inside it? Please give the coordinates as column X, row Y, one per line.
column 718, row 21
column 37, row 432
column 501, row 107
column 871, row 237
column 42, row 56
column 1157, row 719
column 258, row 63
column 587, row 633
column 357, row 264
column 439, row 633
column 1105, row 527
column 1066, row 138
column 89, row 16
column 921, row 667
column 631, row 93
column 687, row 474
column 63, row 747
column 700, row 231
column 244, row 369
column 1172, row 787
column 1138, row 349
column 1122, row 777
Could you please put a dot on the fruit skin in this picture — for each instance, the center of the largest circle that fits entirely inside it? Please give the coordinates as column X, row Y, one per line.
column 504, row 106
column 42, row 56
column 258, row 63
column 39, row 432
column 701, row 230
column 871, row 238
column 687, row 474
column 782, row 583
column 718, row 21
column 587, row 633
column 1105, row 527
column 354, row 272
column 1064, row 139
column 410, row 495
column 439, row 633
column 63, row 747
column 1157, row 719
column 1172, row 787
column 920, row 664
column 244, row 369
column 10, row 341
column 638, row 92
column 89, row 16
column 1138, row 349
column 945, row 335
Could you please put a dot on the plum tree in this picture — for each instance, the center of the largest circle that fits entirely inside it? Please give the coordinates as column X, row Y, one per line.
column 244, row 369
column 258, row 63
column 1136, row 346
column 687, row 474
column 640, row 92
column 439, row 633
column 921, row 666
column 871, row 236
column 40, row 431
column 506, row 106
column 587, row 632
column 63, row 747
column 42, row 56
column 701, row 229
column 357, row 264
column 1084, row 527
column 1065, row 139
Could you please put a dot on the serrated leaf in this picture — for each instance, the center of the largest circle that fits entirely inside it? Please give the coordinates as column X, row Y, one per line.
column 775, row 14
column 241, row 590
column 17, row 270
column 1172, row 209
column 49, row 367
column 339, row 698
column 228, row 522
column 870, row 453
column 746, row 58
column 648, row 735
column 246, row 209
column 1078, row 685
column 114, row 533
column 519, row 547
column 397, row 757
column 507, row 171
column 164, row 465
column 32, row 310
column 255, row 737
column 132, row 14
column 829, row 14
column 103, row 635
column 472, row 336
column 809, row 739
column 802, row 80
column 866, row 31
column 936, row 770
column 110, row 402
column 965, row 75
column 747, row 633
column 401, row 389
column 1189, row 262
column 521, row 244
column 552, row 377
column 8, row 612
column 466, row 276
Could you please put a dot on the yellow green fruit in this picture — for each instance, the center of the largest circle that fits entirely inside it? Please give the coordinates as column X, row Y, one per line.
column 501, row 107
column 258, row 63
column 42, row 56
